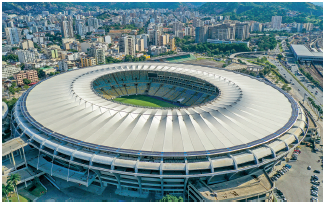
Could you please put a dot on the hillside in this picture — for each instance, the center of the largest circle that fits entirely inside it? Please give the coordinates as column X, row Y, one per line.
column 37, row 7
column 262, row 8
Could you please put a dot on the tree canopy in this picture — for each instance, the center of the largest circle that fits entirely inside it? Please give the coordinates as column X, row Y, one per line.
column 171, row 198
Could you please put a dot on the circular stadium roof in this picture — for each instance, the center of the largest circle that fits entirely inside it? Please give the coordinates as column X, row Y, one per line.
column 247, row 113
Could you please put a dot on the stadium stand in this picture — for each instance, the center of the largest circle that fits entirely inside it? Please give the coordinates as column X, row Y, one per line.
column 166, row 86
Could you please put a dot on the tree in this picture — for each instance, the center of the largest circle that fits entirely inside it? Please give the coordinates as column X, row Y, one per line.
column 6, row 190
column 13, row 180
column 26, row 87
column 171, row 198
column 41, row 74
column 26, row 81
column 128, row 58
column 280, row 56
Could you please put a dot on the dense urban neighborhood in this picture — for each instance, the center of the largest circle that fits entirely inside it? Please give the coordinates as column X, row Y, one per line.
column 162, row 101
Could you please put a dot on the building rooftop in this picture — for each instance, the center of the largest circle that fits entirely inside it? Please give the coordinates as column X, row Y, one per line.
column 301, row 50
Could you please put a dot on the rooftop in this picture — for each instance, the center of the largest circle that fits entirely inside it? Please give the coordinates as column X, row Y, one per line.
column 301, row 50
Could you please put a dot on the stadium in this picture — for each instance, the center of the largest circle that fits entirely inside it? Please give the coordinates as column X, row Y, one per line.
column 210, row 126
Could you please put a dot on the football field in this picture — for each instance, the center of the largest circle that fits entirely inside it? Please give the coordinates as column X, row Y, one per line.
column 141, row 100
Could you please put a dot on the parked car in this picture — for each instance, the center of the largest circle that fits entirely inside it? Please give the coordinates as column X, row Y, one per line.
column 314, row 187
column 314, row 194
column 317, row 171
column 309, row 167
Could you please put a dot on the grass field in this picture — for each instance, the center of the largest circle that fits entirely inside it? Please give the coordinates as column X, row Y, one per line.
column 141, row 100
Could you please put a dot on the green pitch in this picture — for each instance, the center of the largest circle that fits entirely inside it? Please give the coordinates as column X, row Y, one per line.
column 141, row 100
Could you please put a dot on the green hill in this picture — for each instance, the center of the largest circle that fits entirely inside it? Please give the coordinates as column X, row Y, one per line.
column 241, row 7
column 37, row 7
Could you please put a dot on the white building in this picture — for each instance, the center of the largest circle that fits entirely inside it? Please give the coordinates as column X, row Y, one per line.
column 13, row 35
column 25, row 56
column 63, row 66
column 276, row 22
column 107, row 39
column 9, row 70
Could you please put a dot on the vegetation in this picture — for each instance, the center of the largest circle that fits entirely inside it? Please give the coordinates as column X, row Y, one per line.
column 215, row 49
column 184, row 41
column 171, row 52
column 53, row 73
column 263, row 11
column 171, row 198
column 280, row 56
column 240, row 61
column 11, row 186
column 121, row 27
column 103, row 16
column 10, row 103
column 13, row 88
column 267, row 42
column 10, row 57
column 72, row 50
column 41, row 74
column 319, row 108
column 56, row 39
column 26, row 81
column 141, row 100
column 110, row 60
column 130, row 58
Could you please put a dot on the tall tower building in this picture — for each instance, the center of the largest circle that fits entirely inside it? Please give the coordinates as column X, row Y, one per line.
column 67, row 27
column 276, row 22
column 13, row 35
column 201, row 34
column 127, row 45
column 98, row 53
column 93, row 22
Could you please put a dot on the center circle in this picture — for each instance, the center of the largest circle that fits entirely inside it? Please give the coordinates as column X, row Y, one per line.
column 154, row 89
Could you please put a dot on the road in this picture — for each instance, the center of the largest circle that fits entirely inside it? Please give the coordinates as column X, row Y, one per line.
column 294, row 84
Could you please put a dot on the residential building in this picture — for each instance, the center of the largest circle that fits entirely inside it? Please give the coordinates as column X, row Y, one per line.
column 201, row 34
column 98, row 53
column 242, row 31
column 222, row 32
column 13, row 35
column 27, row 44
column 26, row 56
column 63, row 66
column 127, row 45
column 308, row 26
column 88, row 61
column 177, row 26
column 107, row 39
column 93, row 22
column 139, row 44
column 27, row 74
column 67, row 27
column 189, row 31
column 276, row 22
column 299, row 27
column 9, row 70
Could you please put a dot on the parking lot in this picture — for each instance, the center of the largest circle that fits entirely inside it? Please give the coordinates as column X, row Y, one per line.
column 295, row 184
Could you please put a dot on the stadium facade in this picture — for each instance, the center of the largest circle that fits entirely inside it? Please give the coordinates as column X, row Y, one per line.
column 227, row 125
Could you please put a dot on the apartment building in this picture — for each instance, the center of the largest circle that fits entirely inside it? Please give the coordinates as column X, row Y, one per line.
column 88, row 61
column 222, row 32
column 9, row 70
column 27, row 74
